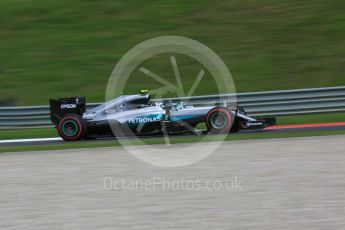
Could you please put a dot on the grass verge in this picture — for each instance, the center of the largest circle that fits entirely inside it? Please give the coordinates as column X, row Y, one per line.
column 9, row 134
column 311, row 119
column 64, row 48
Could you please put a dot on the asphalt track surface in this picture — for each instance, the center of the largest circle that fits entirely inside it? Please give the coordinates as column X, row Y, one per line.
column 278, row 128
column 293, row 183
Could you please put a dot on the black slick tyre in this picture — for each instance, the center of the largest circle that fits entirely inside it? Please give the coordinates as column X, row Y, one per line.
column 219, row 120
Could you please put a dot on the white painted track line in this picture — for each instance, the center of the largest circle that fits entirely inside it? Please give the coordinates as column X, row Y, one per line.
column 30, row 140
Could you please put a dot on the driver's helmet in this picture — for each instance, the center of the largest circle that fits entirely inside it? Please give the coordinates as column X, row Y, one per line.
column 143, row 91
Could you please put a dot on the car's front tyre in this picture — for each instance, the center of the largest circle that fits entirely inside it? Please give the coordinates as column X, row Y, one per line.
column 219, row 120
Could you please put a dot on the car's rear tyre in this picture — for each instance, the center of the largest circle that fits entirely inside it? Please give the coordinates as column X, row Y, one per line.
column 72, row 127
column 219, row 120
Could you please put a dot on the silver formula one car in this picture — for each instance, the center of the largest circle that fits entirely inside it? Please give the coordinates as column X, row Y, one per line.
column 137, row 115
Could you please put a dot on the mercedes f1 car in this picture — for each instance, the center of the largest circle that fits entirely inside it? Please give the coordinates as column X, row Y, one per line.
column 137, row 115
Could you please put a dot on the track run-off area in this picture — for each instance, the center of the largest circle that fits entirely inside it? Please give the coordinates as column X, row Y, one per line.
column 288, row 183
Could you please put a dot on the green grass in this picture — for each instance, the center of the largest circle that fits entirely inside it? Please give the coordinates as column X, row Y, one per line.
column 311, row 119
column 58, row 48
column 27, row 133
column 174, row 140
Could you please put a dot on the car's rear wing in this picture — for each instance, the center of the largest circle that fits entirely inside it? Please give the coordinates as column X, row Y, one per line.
column 64, row 106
